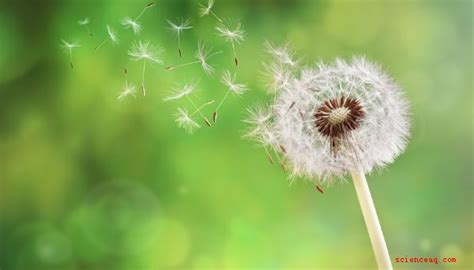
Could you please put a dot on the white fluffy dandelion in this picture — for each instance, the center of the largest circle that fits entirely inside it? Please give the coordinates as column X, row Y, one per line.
column 111, row 36
column 128, row 89
column 230, row 81
column 329, row 121
column 184, row 91
column 85, row 23
column 177, row 28
column 128, row 22
column 233, row 33
column 144, row 51
column 68, row 47
column 205, row 10
column 202, row 55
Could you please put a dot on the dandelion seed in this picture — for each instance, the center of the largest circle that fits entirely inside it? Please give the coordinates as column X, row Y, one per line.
column 319, row 189
column 229, row 80
column 144, row 51
column 283, row 55
column 184, row 120
column 232, row 33
column 202, row 55
column 85, row 22
column 69, row 47
column 134, row 24
column 205, row 10
column 128, row 90
column 178, row 28
column 127, row 22
column 111, row 36
column 184, row 92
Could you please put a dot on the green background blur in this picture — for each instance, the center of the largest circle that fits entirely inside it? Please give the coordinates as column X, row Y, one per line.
column 88, row 182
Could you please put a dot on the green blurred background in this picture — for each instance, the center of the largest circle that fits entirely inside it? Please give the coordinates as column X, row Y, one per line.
column 88, row 182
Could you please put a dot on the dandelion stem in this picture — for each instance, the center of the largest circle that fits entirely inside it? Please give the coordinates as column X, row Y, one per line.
column 215, row 16
column 223, row 100
column 182, row 65
column 143, row 78
column 143, row 11
column 70, row 57
column 199, row 111
column 102, row 44
column 89, row 31
column 236, row 61
column 179, row 46
column 371, row 221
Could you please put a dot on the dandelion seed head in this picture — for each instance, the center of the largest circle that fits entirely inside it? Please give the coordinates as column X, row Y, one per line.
column 204, row 10
column 182, row 91
column 84, row 21
column 112, row 34
column 184, row 120
column 128, row 90
column 127, row 22
column 232, row 32
column 180, row 26
column 229, row 80
column 332, row 119
column 145, row 51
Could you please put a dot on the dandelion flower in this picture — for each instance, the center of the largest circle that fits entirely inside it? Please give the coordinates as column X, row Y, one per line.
column 85, row 22
column 128, row 90
column 205, row 10
column 144, row 51
column 127, row 22
column 69, row 47
column 202, row 55
column 184, row 120
column 185, row 91
column 178, row 28
column 111, row 36
column 334, row 120
column 229, row 80
column 232, row 33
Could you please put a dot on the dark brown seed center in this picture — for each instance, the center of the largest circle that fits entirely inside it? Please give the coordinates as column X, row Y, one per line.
column 338, row 116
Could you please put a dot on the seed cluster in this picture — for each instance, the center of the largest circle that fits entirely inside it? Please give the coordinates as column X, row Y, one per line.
column 338, row 116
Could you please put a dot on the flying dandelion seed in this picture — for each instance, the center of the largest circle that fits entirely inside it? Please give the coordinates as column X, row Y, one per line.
column 185, row 91
column 128, row 89
column 178, row 28
column 127, row 22
column 69, row 47
column 134, row 24
column 202, row 55
column 85, row 22
column 184, row 120
column 205, row 10
column 111, row 36
column 282, row 55
column 355, row 120
column 144, row 51
column 233, row 87
column 232, row 33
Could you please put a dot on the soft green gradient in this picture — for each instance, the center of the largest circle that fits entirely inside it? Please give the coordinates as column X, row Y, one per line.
column 88, row 182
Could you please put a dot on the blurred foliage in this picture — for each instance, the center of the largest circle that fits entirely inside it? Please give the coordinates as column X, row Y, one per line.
column 88, row 182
